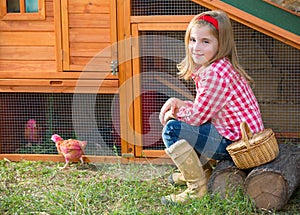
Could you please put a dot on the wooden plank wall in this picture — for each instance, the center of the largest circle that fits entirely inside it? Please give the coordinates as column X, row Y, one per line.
column 90, row 31
column 28, row 45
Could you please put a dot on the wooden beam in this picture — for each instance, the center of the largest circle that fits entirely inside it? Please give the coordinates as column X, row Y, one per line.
column 137, row 103
column 87, row 158
column 125, row 76
column 59, row 86
column 65, row 51
column 162, row 26
column 162, row 19
column 154, row 153
column 253, row 22
column 58, row 35
column 27, row 38
column 41, row 74
column 58, row 89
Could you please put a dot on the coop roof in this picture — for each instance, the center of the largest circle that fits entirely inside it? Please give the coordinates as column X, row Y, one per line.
column 262, row 16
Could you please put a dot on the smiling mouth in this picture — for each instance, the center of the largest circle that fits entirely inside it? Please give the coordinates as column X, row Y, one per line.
column 198, row 55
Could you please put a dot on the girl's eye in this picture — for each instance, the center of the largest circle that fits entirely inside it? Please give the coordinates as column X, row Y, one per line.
column 205, row 41
column 192, row 40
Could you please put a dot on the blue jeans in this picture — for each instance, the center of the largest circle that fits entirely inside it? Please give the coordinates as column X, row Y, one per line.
column 205, row 138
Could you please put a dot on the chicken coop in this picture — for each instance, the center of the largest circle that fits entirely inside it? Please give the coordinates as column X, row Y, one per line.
column 100, row 70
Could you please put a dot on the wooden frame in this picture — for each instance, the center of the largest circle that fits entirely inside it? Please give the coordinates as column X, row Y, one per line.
column 40, row 15
column 58, row 35
column 165, row 23
column 144, row 23
column 281, row 7
column 87, row 158
column 125, row 79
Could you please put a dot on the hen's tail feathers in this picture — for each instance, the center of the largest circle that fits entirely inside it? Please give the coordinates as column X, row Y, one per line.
column 82, row 145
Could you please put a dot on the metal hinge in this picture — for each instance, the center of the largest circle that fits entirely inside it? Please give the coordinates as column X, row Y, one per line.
column 114, row 67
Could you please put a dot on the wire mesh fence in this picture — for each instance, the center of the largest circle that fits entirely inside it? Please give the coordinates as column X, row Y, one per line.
column 273, row 65
column 166, row 7
column 28, row 120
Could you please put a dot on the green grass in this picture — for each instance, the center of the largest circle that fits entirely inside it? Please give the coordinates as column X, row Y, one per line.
column 29, row 187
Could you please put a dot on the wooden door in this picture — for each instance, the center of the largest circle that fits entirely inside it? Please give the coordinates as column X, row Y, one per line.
column 152, row 88
column 88, row 35
column 136, row 129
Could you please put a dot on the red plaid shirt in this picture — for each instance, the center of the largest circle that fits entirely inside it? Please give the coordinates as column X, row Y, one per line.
column 224, row 98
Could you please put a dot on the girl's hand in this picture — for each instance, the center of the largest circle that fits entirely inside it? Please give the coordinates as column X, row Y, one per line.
column 172, row 105
column 168, row 115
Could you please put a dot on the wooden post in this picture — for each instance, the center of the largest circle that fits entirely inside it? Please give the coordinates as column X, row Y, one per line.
column 271, row 185
column 226, row 179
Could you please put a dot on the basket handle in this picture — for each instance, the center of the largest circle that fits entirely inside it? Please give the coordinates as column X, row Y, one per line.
column 246, row 133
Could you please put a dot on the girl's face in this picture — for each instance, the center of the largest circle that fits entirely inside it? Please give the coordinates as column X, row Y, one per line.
column 203, row 46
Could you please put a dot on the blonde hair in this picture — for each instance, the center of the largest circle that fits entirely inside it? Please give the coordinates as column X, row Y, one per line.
column 225, row 37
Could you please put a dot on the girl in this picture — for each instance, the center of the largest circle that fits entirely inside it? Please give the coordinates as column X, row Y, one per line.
column 223, row 100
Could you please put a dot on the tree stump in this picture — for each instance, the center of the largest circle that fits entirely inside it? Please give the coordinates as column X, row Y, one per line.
column 226, row 179
column 271, row 185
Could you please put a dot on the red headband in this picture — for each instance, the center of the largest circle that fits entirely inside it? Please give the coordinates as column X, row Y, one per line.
column 209, row 19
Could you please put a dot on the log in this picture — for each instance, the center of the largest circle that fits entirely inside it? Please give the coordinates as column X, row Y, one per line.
column 226, row 179
column 271, row 185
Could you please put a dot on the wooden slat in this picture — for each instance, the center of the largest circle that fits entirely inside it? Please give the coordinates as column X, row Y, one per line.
column 89, row 6
column 113, row 30
column 90, row 49
column 58, row 35
column 28, row 26
column 91, row 61
column 89, row 68
column 58, row 82
column 65, row 34
column 26, row 16
column 57, row 75
column 27, row 38
column 58, row 89
column 27, row 53
column 49, row 8
column 154, row 153
column 27, row 66
column 59, row 86
column 89, row 35
column 86, row 158
column 89, row 20
column 42, row 8
column 3, row 10
column 90, row 64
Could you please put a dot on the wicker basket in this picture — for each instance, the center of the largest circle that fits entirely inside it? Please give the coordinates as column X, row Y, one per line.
column 253, row 150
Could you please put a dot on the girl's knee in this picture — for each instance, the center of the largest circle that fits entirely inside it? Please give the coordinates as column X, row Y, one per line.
column 170, row 132
column 171, row 126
